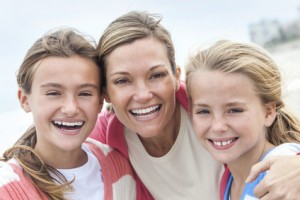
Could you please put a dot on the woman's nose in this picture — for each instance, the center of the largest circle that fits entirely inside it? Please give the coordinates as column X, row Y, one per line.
column 143, row 93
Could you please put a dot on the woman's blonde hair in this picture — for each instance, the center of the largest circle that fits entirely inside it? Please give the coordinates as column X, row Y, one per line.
column 133, row 26
column 253, row 62
column 64, row 42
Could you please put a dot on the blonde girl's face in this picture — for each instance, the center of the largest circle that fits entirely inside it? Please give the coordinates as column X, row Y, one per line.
column 228, row 116
column 64, row 100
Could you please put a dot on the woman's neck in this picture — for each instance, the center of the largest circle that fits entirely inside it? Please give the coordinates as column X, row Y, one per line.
column 160, row 145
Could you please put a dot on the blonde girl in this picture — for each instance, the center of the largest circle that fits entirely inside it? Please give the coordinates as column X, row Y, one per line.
column 238, row 112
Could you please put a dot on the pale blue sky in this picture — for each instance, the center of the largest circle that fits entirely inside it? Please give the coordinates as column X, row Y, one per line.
column 191, row 23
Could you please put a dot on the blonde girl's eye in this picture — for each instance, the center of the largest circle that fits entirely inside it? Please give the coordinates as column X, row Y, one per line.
column 202, row 111
column 235, row 110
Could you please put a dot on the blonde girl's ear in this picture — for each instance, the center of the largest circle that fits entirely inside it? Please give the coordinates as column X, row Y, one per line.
column 271, row 113
column 23, row 99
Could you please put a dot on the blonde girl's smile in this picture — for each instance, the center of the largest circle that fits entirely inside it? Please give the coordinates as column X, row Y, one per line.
column 224, row 143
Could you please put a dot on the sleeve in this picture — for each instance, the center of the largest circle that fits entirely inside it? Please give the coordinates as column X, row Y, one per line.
column 10, row 188
column 15, row 185
column 100, row 130
column 285, row 149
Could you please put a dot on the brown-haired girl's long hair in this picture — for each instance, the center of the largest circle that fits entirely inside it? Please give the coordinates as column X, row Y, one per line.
column 64, row 42
column 253, row 62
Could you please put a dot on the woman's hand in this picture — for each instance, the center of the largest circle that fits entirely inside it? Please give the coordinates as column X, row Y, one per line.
column 281, row 182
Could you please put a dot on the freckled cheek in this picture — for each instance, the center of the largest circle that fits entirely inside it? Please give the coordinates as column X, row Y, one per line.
column 200, row 129
column 240, row 124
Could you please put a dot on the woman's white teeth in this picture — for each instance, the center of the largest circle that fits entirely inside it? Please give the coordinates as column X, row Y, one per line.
column 144, row 111
column 68, row 123
column 222, row 143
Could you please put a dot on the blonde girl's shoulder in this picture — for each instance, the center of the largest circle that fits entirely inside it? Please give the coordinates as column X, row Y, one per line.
column 285, row 149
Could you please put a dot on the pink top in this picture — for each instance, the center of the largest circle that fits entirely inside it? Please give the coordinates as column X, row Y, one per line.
column 15, row 185
column 109, row 130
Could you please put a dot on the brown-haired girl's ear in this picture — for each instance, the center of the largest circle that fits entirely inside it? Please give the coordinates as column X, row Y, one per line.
column 270, row 113
column 23, row 99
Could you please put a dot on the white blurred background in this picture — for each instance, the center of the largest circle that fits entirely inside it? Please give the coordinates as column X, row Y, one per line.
column 273, row 24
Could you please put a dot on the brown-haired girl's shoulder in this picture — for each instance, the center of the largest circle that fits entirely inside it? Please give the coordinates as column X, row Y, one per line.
column 14, row 185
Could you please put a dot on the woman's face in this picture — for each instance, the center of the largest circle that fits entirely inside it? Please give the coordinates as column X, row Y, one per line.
column 141, row 86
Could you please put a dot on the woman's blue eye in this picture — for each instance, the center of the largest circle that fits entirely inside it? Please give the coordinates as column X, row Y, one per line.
column 158, row 75
column 121, row 81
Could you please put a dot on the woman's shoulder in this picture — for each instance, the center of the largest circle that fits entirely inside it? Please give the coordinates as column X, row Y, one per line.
column 116, row 169
column 285, row 149
column 97, row 146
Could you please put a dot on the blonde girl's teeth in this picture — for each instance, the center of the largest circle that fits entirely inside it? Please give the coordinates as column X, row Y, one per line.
column 224, row 143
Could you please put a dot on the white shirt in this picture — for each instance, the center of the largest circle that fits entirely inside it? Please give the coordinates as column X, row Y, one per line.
column 88, row 182
column 187, row 171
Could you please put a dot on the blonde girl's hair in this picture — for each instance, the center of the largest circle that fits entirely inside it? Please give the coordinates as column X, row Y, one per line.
column 62, row 42
column 253, row 62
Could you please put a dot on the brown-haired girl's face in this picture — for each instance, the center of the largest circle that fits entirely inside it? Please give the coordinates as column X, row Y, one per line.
column 141, row 86
column 64, row 100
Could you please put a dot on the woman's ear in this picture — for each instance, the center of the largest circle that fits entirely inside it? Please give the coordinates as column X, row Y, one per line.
column 101, row 102
column 178, row 74
column 23, row 99
column 271, row 113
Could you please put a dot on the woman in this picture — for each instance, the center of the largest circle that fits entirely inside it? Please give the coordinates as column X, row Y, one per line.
column 150, row 124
